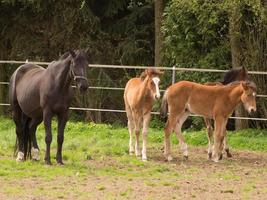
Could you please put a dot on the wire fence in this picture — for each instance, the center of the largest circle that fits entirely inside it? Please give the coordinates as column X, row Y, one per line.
column 154, row 113
column 173, row 69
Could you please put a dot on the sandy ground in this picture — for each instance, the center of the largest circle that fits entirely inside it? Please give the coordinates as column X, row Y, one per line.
column 242, row 177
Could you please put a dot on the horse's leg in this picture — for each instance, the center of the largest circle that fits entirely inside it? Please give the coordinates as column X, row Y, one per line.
column 32, row 131
column 225, row 142
column 218, row 138
column 146, row 120
column 17, row 117
column 137, row 120
column 226, row 147
column 131, row 129
column 208, row 123
column 47, row 115
column 178, row 131
column 62, row 120
column 172, row 119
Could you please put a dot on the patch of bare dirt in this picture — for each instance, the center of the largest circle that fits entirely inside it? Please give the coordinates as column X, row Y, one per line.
column 244, row 176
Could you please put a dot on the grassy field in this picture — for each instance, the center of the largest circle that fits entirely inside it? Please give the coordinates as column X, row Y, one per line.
column 97, row 166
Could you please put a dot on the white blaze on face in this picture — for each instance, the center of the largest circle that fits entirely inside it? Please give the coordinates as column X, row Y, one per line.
column 156, row 81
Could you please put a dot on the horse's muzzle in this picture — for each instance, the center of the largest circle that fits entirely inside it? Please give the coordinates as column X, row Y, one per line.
column 82, row 86
column 252, row 109
column 157, row 97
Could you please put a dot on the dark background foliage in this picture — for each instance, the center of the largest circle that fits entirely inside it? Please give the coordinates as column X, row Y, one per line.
column 196, row 33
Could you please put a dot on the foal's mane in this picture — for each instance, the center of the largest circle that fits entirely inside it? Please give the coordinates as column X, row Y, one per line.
column 250, row 84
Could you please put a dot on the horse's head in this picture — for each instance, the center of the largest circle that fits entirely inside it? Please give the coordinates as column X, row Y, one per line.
column 152, row 76
column 78, row 69
column 249, row 95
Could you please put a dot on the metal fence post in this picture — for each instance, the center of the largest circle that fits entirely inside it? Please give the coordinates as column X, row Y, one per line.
column 173, row 74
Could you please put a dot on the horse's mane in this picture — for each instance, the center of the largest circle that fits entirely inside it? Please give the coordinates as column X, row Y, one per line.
column 249, row 83
column 64, row 56
column 233, row 74
column 80, row 55
column 234, row 83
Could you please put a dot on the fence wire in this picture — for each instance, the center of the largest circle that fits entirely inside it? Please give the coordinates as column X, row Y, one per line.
column 174, row 68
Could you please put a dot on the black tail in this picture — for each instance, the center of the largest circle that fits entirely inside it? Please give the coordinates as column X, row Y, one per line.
column 23, row 122
column 164, row 107
column 26, row 140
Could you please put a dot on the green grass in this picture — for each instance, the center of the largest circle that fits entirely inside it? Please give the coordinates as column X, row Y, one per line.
column 101, row 150
column 89, row 140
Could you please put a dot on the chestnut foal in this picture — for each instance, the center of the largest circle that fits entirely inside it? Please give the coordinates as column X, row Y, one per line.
column 139, row 95
column 213, row 102
column 236, row 74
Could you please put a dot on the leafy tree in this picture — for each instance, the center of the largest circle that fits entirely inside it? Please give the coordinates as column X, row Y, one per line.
column 217, row 34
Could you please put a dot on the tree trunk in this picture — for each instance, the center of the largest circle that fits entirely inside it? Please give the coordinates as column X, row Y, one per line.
column 158, row 35
column 2, row 89
column 236, row 51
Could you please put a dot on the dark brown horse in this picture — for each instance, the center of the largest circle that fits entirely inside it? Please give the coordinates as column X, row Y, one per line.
column 38, row 94
column 238, row 74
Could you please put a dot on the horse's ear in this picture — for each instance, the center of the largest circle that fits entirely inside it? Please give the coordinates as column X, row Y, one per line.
column 161, row 72
column 244, row 70
column 86, row 50
column 150, row 72
column 72, row 53
column 143, row 75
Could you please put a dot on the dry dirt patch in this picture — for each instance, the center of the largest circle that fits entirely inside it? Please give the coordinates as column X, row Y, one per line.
column 242, row 177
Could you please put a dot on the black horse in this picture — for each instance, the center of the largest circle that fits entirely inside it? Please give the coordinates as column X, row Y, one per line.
column 37, row 94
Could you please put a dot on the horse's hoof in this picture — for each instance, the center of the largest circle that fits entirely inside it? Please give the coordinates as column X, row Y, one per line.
column 228, row 154
column 216, row 159
column 169, row 158
column 209, row 156
column 35, row 154
column 138, row 154
column 20, row 157
column 144, row 159
column 185, row 157
column 131, row 153
column 48, row 162
column 60, row 163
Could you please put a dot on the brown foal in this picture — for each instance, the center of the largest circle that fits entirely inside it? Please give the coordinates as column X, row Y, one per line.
column 237, row 74
column 139, row 95
column 213, row 102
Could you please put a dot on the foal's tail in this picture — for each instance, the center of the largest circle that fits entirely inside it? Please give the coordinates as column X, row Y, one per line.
column 164, row 106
